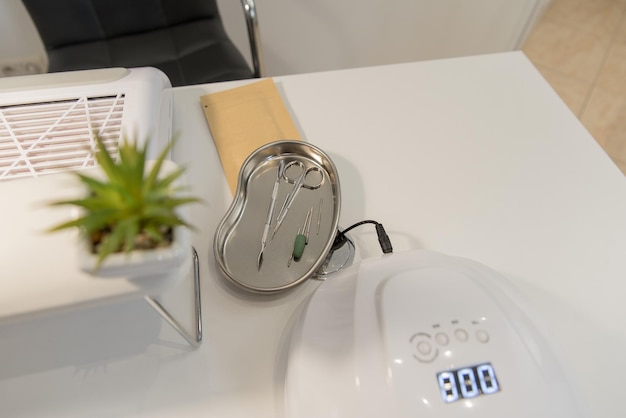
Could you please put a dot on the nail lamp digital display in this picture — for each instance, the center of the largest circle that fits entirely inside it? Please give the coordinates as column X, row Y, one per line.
column 422, row 334
column 468, row 382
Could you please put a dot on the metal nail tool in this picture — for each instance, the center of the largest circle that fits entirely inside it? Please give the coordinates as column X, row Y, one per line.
column 301, row 176
column 319, row 216
column 270, row 212
column 307, row 224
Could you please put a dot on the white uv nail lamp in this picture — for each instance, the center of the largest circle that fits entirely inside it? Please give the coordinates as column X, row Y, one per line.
column 421, row 334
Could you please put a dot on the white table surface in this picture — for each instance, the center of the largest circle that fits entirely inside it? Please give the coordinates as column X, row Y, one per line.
column 475, row 157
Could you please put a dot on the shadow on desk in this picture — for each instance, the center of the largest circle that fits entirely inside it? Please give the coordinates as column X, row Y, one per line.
column 83, row 339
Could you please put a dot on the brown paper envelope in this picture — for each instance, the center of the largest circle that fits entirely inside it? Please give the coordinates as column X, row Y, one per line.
column 243, row 119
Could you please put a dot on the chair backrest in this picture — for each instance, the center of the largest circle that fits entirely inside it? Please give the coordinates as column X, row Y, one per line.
column 65, row 22
column 167, row 34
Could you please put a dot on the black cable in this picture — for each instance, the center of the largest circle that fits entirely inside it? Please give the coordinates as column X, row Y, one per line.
column 383, row 238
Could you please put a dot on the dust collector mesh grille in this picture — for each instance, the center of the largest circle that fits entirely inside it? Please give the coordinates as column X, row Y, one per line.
column 49, row 137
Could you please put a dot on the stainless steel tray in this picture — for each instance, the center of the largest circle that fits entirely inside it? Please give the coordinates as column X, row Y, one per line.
column 237, row 240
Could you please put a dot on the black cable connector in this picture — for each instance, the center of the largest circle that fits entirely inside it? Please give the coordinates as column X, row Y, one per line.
column 383, row 238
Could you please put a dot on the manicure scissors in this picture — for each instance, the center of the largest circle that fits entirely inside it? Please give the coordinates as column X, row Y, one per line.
column 301, row 176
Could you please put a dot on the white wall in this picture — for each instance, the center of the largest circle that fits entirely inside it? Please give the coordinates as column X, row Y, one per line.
column 302, row 36
column 313, row 35
column 21, row 49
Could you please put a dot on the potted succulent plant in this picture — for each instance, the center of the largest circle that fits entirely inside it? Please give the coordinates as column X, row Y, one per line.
column 132, row 221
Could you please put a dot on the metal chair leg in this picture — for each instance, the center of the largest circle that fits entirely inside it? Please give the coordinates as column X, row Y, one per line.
column 196, row 340
column 254, row 37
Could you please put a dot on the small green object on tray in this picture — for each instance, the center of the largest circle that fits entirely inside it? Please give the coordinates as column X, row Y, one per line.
column 298, row 246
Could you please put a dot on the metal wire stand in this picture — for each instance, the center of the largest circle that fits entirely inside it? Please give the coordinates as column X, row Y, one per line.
column 193, row 340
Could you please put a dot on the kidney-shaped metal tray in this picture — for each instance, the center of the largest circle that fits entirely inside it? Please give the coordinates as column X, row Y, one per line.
column 237, row 242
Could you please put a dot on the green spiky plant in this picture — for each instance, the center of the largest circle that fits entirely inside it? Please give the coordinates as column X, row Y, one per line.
column 130, row 208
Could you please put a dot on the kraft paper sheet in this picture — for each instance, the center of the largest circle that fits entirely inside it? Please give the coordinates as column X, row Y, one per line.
column 243, row 119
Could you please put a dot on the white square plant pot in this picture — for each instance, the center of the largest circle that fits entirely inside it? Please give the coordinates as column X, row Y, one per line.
column 141, row 262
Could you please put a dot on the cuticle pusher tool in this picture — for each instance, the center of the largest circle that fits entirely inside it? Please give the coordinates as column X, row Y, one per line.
column 270, row 212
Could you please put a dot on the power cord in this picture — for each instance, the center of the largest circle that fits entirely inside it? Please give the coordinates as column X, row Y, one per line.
column 383, row 238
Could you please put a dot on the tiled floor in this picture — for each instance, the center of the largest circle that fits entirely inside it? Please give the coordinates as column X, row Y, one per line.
column 580, row 48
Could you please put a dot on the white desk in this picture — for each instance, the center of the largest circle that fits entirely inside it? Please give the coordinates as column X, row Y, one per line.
column 474, row 157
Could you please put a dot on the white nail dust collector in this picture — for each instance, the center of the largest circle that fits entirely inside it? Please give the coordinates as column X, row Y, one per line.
column 420, row 334
column 47, row 121
column 47, row 124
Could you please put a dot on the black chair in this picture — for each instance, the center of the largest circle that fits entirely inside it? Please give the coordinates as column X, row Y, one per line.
column 183, row 38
